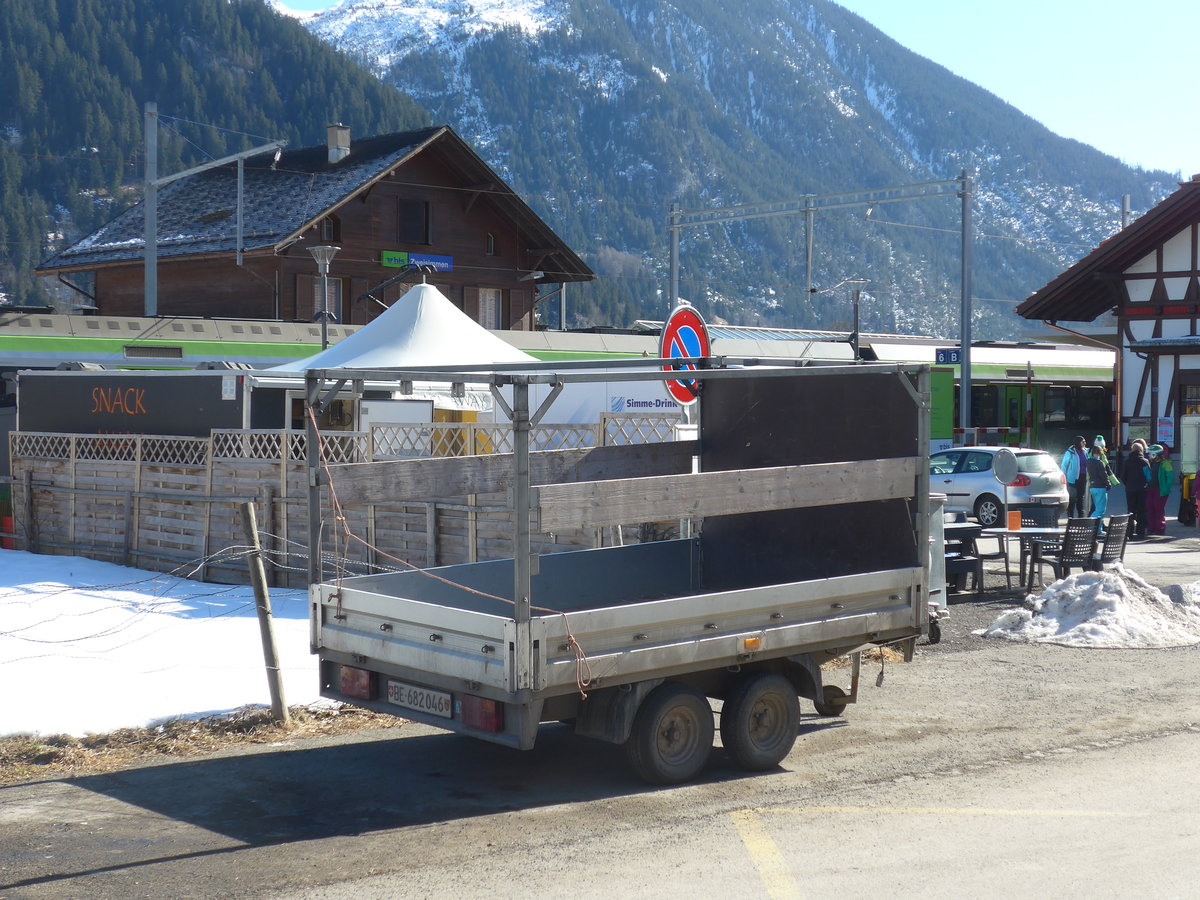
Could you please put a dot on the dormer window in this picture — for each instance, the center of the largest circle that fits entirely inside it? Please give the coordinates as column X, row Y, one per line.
column 414, row 222
column 331, row 229
column 490, row 244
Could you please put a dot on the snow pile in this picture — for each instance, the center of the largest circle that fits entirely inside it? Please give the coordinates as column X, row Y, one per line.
column 1113, row 609
column 88, row 647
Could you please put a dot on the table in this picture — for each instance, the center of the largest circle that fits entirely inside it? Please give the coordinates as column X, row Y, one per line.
column 1027, row 533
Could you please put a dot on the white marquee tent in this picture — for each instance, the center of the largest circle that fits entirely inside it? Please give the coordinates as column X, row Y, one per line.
column 422, row 328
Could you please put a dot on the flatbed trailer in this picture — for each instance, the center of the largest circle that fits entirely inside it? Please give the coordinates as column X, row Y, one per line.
column 803, row 499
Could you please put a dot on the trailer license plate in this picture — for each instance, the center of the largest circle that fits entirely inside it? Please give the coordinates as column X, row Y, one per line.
column 435, row 703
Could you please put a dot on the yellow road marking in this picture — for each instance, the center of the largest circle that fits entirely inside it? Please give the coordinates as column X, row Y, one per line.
column 954, row 811
column 764, row 853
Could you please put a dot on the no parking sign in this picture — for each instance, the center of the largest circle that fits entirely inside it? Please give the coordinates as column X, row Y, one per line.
column 684, row 336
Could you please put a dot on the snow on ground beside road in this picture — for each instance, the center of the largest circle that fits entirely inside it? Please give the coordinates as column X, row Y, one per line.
column 89, row 647
column 1113, row 609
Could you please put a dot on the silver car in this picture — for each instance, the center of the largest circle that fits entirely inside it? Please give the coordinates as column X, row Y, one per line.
column 964, row 475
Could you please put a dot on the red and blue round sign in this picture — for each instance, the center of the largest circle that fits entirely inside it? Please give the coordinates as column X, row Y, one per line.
column 684, row 336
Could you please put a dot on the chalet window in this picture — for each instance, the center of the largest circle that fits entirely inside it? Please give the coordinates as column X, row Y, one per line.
column 415, row 225
column 491, row 302
column 490, row 248
column 331, row 229
column 1190, row 400
column 309, row 298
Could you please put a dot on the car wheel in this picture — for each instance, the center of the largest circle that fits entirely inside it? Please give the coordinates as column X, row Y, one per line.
column 989, row 511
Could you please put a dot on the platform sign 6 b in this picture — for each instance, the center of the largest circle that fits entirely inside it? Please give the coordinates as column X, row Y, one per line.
column 684, row 336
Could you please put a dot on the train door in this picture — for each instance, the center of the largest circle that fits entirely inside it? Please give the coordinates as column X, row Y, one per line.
column 1013, row 408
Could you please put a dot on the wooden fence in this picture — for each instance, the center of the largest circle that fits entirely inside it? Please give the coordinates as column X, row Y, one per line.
column 170, row 504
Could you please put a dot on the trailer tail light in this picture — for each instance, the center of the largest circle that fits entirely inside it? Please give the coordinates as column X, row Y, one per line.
column 481, row 713
column 752, row 643
column 356, row 683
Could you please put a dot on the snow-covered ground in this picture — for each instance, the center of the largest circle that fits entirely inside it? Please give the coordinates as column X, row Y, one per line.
column 1114, row 609
column 89, row 646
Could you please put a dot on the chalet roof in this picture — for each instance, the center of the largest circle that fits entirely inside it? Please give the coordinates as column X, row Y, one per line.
column 197, row 215
column 1089, row 288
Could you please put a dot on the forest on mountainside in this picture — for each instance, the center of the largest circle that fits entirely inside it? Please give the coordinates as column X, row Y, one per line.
column 602, row 123
column 226, row 76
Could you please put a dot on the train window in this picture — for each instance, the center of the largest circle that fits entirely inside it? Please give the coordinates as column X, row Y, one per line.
column 985, row 407
column 1056, row 404
column 1091, row 407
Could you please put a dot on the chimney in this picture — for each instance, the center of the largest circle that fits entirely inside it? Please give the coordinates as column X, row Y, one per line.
column 338, row 139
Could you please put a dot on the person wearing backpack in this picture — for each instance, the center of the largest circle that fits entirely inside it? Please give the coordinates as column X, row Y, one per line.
column 1099, row 476
column 1136, row 474
column 1162, row 479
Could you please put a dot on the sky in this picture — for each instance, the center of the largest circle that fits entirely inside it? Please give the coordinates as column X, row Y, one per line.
column 1113, row 74
column 89, row 647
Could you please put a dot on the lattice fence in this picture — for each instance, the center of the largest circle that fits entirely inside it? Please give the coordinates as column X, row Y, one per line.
column 161, row 502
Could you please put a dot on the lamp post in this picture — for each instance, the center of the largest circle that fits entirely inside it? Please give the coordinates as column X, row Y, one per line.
column 324, row 256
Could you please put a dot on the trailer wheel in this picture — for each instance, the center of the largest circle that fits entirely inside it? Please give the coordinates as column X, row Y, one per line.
column 672, row 734
column 759, row 720
column 834, row 703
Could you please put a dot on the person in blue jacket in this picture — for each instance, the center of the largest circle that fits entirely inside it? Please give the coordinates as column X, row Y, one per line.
column 1074, row 466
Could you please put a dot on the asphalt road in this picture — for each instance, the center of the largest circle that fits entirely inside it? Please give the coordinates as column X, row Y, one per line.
column 982, row 769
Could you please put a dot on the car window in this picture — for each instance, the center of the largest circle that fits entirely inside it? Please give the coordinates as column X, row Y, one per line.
column 1035, row 463
column 977, row 462
column 943, row 463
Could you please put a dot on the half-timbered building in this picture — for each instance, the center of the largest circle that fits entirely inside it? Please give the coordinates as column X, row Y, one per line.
column 233, row 240
column 1148, row 277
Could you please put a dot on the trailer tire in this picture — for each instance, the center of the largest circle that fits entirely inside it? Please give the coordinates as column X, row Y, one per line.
column 760, row 720
column 672, row 735
column 834, row 702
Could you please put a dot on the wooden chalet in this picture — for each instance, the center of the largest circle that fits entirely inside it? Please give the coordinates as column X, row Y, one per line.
column 1148, row 276
column 389, row 203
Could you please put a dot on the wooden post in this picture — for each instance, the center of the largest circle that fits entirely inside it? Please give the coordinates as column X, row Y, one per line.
column 431, row 520
column 27, row 511
column 279, row 710
column 268, row 492
column 127, row 543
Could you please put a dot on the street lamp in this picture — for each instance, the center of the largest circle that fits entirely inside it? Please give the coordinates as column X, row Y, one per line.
column 324, row 256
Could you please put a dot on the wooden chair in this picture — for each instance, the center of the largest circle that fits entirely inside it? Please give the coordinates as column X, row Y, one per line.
column 1115, row 540
column 1075, row 551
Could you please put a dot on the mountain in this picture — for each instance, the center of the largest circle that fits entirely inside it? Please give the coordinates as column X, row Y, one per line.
column 604, row 113
column 78, row 72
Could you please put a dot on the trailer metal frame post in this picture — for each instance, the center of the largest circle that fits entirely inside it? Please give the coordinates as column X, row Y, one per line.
column 924, row 432
column 312, row 459
column 522, row 563
column 964, row 378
